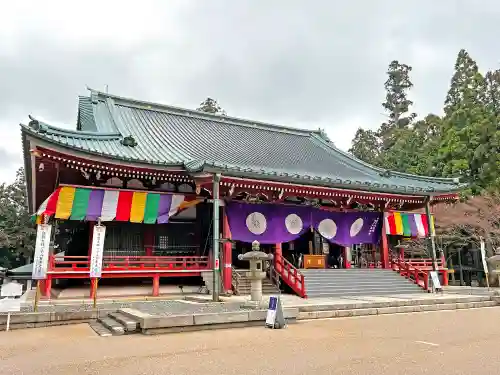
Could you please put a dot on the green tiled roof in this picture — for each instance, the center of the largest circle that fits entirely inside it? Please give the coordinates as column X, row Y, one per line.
column 198, row 141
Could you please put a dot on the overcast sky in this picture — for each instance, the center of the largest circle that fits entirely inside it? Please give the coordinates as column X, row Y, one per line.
column 300, row 63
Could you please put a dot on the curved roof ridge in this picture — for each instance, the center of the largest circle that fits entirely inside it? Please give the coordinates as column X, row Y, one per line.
column 42, row 127
column 382, row 170
column 142, row 104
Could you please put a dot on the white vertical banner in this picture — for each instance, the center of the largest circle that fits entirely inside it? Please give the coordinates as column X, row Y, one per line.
column 41, row 257
column 483, row 256
column 97, row 251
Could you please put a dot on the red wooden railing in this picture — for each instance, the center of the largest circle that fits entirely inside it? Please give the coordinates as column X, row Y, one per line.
column 290, row 275
column 418, row 270
column 61, row 264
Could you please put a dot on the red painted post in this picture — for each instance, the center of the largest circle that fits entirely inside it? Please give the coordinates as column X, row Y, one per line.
column 48, row 286
column 384, row 247
column 445, row 277
column 227, row 255
column 277, row 257
column 148, row 238
column 156, row 285
column 91, row 235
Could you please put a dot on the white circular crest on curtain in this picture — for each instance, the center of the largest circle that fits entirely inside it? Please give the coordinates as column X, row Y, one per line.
column 356, row 227
column 327, row 228
column 293, row 224
column 256, row 223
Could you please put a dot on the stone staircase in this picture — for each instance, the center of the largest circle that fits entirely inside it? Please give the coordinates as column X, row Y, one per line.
column 116, row 324
column 208, row 280
column 356, row 282
column 241, row 284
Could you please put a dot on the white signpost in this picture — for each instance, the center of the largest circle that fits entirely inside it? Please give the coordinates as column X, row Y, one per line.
column 96, row 256
column 275, row 317
column 97, row 251
column 483, row 258
column 11, row 289
column 41, row 258
column 10, row 303
column 436, row 284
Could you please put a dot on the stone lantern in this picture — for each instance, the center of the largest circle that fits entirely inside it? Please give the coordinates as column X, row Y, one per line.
column 256, row 272
column 494, row 263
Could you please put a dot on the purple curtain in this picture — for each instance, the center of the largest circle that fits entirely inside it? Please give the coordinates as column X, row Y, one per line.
column 267, row 223
column 348, row 228
column 274, row 223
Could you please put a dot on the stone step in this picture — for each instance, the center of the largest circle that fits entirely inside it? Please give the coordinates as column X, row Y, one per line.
column 115, row 327
column 356, row 282
column 331, row 286
column 354, row 277
column 362, row 283
column 357, row 294
column 100, row 329
column 131, row 325
column 365, row 311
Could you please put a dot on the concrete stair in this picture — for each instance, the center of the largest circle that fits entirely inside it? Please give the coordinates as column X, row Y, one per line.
column 243, row 286
column 115, row 324
column 208, row 280
column 356, row 282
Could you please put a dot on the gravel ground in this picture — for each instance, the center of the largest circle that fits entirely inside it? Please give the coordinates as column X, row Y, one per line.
column 453, row 343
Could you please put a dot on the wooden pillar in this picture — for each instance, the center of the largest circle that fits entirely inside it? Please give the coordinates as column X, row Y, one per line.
column 156, row 285
column 347, row 257
column 48, row 287
column 91, row 235
column 227, row 255
column 92, row 288
column 89, row 254
column 311, row 242
column 278, row 254
column 149, row 239
column 384, row 247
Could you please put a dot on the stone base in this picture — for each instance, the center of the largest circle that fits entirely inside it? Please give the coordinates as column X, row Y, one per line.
column 256, row 305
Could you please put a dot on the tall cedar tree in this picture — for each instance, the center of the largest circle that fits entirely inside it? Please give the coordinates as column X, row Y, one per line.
column 396, row 104
column 374, row 147
column 465, row 147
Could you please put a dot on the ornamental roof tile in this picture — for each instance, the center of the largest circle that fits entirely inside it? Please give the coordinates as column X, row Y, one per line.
column 198, row 141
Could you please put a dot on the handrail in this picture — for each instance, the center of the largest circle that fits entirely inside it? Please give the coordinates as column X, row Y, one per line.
column 235, row 278
column 291, row 275
column 61, row 263
column 274, row 277
column 418, row 271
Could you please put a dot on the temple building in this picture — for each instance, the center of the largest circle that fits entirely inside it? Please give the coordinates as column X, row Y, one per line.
column 182, row 192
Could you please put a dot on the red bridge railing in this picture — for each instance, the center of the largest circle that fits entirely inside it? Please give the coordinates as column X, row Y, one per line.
column 418, row 270
column 64, row 264
column 290, row 275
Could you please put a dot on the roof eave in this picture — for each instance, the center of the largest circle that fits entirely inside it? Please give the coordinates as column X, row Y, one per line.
column 317, row 182
column 331, row 146
column 97, row 156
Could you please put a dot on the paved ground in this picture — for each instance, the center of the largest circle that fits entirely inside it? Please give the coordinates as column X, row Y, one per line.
column 457, row 342
column 158, row 307
column 175, row 307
